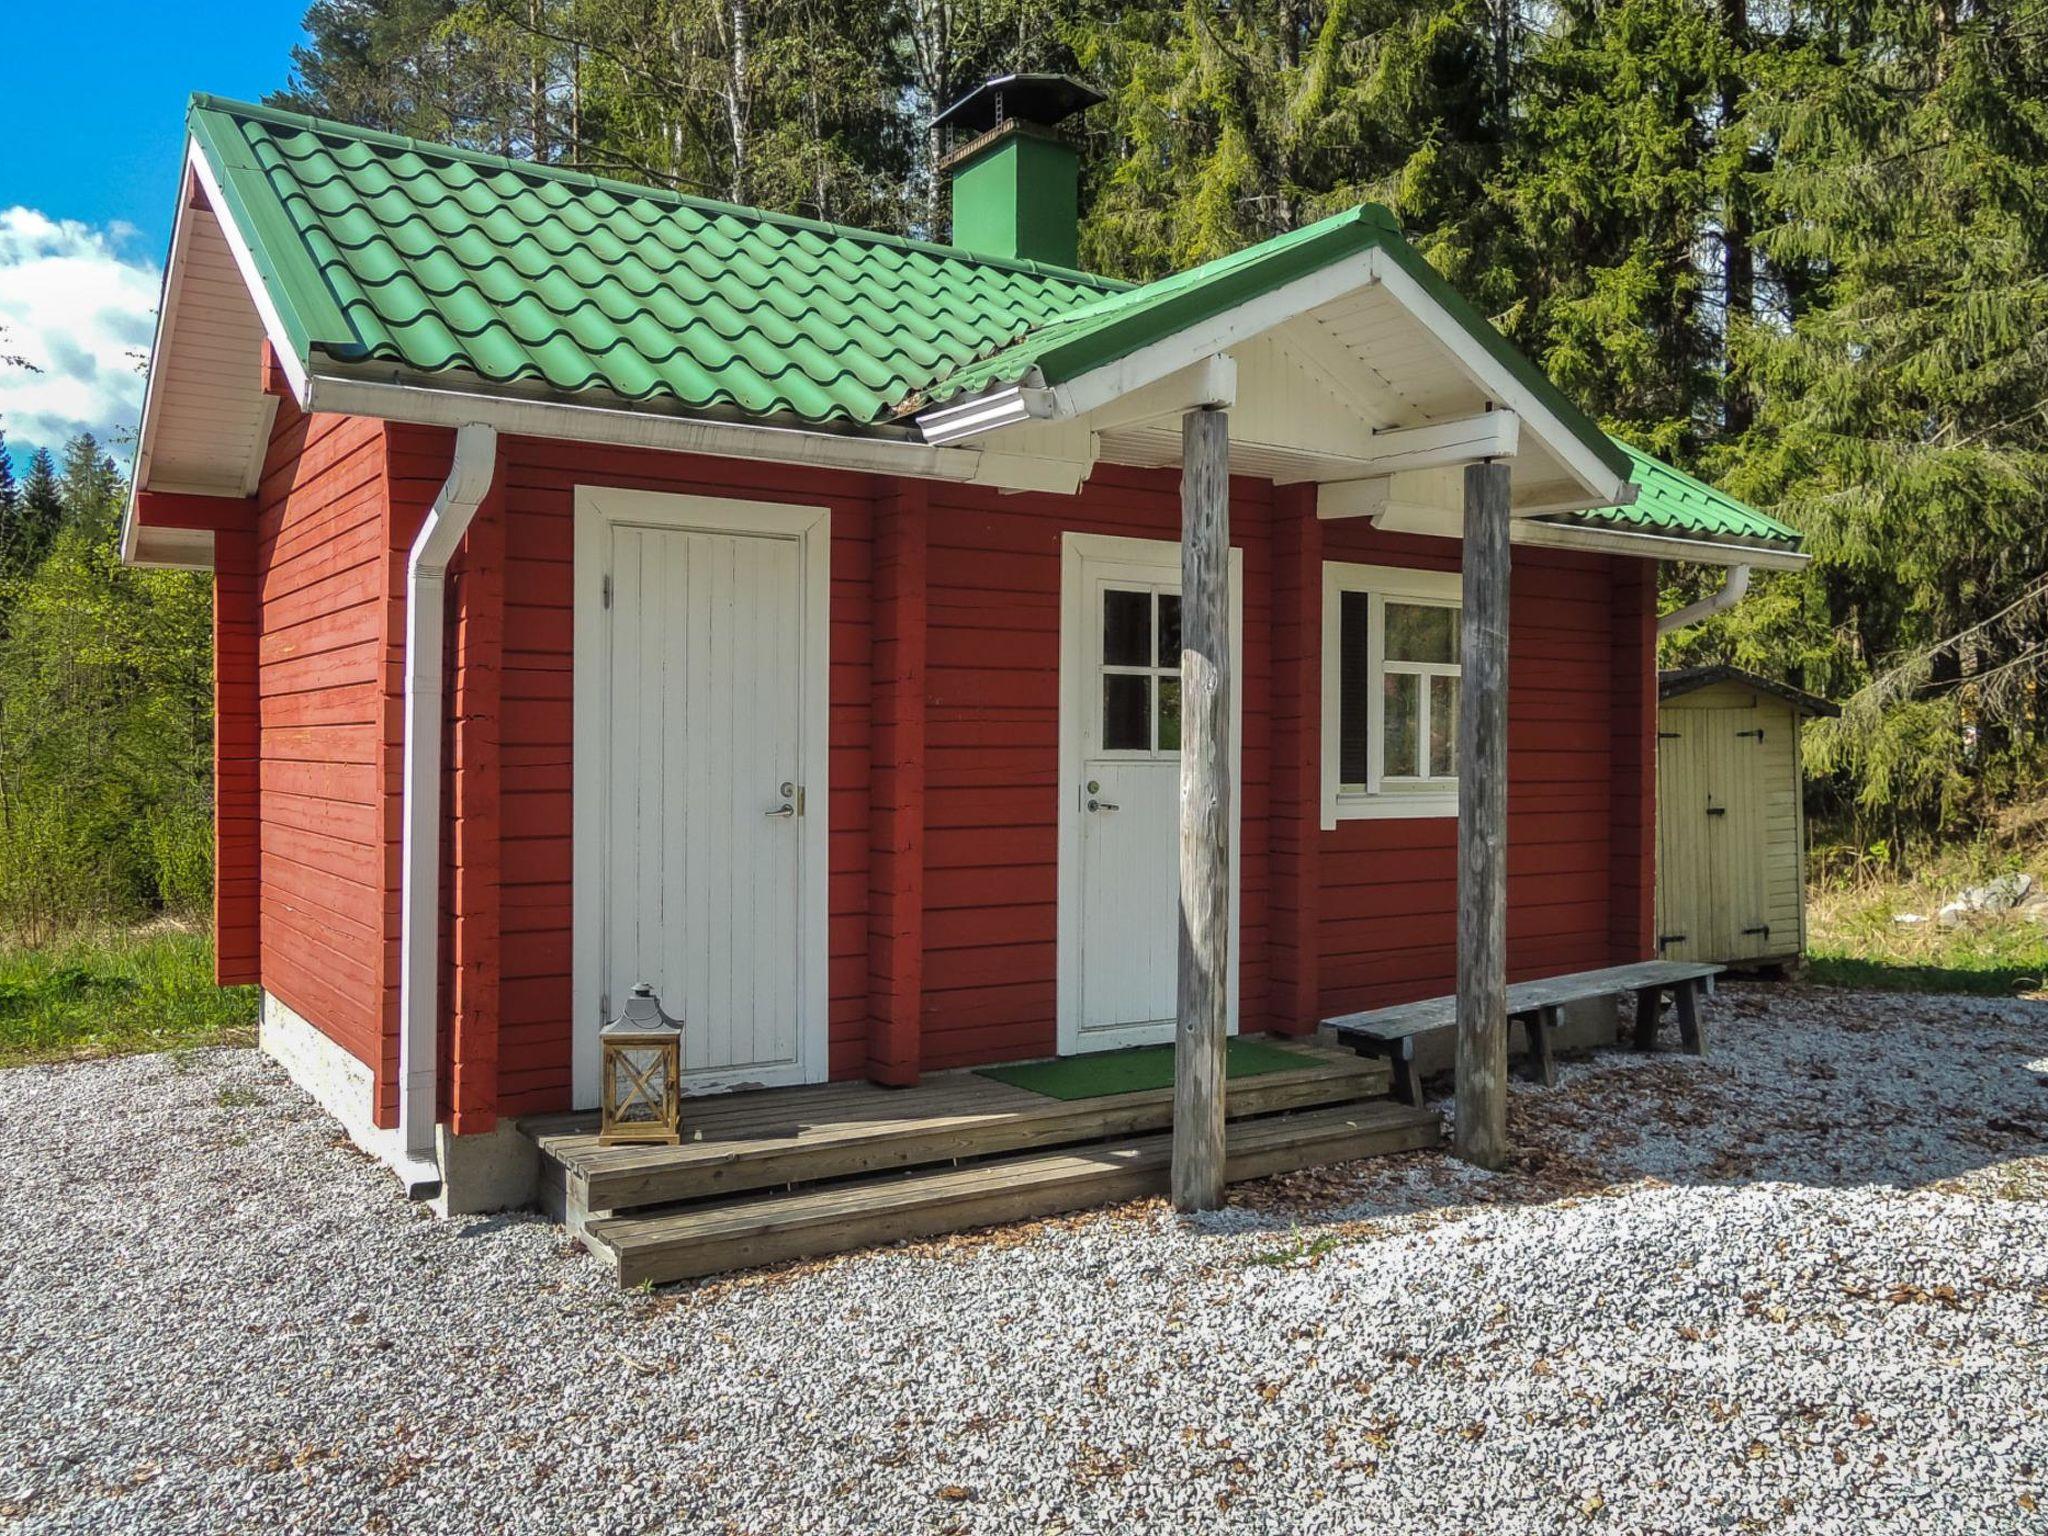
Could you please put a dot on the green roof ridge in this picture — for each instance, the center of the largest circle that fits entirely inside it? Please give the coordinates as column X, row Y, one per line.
column 279, row 116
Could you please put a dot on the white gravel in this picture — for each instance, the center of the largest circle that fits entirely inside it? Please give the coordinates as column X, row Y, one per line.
column 1801, row 1287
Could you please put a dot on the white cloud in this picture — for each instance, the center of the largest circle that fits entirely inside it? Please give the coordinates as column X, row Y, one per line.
column 73, row 303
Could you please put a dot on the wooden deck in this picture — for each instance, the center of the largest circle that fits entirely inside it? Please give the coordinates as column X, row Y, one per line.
column 786, row 1172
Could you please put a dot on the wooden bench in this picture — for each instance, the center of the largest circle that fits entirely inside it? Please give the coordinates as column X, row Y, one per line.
column 1539, row 1007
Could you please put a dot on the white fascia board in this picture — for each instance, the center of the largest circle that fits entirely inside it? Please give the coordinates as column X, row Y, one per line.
column 1442, row 444
column 1198, row 350
column 1212, row 337
column 1652, row 546
column 1605, row 487
column 1029, row 472
column 1208, row 384
column 1437, row 445
column 152, row 389
column 252, row 274
column 647, row 429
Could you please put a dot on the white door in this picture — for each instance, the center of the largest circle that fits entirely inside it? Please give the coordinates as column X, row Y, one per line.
column 1120, row 788
column 709, row 783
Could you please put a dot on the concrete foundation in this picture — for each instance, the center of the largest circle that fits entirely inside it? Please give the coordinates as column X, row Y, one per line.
column 495, row 1171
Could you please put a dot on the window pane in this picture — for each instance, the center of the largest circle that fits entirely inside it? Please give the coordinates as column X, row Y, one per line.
column 1169, row 631
column 1126, row 712
column 1352, row 685
column 1126, row 628
column 1169, row 714
column 1415, row 633
column 1443, row 727
column 1403, row 718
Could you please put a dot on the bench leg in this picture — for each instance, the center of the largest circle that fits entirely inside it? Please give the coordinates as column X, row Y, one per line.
column 1407, row 1086
column 1537, row 1026
column 1649, row 1009
column 1690, row 1028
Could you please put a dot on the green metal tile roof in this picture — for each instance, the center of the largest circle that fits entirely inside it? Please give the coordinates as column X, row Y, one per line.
column 1670, row 501
column 382, row 249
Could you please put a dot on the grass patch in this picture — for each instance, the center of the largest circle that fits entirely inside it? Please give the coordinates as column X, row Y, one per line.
column 1855, row 940
column 109, row 994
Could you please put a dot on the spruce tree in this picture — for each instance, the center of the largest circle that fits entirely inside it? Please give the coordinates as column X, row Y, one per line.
column 41, row 514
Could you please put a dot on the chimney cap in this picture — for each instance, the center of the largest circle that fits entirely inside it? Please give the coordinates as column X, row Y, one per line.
column 1041, row 99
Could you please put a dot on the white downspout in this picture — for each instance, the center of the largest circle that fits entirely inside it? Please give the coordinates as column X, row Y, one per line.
column 1734, row 587
column 419, row 900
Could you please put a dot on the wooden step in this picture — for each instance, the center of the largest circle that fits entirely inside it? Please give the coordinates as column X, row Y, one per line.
column 711, row 1239
column 780, row 1137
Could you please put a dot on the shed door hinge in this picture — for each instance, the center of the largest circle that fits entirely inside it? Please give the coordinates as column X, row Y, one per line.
column 1666, row 940
column 1717, row 810
column 1758, row 733
column 607, row 589
column 1765, row 930
column 1670, row 736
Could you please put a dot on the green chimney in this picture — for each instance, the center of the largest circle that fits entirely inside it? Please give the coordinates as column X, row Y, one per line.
column 1016, row 182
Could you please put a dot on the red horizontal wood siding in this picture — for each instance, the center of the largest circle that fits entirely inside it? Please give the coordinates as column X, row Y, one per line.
column 237, row 808
column 1331, row 920
column 318, row 580
column 538, row 479
column 1388, row 889
column 992, row 751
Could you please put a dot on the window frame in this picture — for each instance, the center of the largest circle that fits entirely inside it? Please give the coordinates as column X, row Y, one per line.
column 1157, row 672
column 1382, row 795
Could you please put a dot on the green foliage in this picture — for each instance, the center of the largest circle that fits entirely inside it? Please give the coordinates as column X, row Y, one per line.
column 105, row 722
column 97, row 994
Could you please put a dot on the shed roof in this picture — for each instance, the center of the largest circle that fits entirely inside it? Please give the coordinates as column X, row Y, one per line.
column 1679, row 681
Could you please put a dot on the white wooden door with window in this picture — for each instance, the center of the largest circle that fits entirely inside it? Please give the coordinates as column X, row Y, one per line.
column 1120, row 791
column 704, row 782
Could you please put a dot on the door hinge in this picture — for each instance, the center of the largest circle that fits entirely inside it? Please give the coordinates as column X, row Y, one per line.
column 1765, row 930
column 1758, row 733
column 1666, row 940
column 607, row 590
column 1670, row 736
column 1717, row 810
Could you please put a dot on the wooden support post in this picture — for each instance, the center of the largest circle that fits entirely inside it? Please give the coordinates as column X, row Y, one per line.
column 1480, row 1135
column 1205, row 812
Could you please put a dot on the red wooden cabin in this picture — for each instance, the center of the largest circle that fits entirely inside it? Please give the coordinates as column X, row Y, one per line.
column 793, row 623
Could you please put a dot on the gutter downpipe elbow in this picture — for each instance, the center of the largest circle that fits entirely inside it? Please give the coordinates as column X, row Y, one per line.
column 419, row 902
column 1734, row 587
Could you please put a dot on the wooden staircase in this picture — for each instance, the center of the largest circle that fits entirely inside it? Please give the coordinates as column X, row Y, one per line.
column 787, row 1173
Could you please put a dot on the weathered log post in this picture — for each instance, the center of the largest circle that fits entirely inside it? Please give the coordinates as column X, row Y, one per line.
column 1205, row 812
column 1480, row 1135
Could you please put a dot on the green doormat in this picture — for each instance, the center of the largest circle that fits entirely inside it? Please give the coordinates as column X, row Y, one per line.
column 1102, row 1073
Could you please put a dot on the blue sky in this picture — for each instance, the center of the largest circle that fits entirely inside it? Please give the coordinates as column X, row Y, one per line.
column 93, row 117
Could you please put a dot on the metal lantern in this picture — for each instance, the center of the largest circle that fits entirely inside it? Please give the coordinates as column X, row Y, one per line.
column 643, row 1059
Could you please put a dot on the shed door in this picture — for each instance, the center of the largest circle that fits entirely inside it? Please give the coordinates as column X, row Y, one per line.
column 1711, row 836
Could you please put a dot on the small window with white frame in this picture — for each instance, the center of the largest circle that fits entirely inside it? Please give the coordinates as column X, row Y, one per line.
column 1391, row 680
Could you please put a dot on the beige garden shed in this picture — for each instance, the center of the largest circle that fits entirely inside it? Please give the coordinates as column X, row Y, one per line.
column 1731, row 817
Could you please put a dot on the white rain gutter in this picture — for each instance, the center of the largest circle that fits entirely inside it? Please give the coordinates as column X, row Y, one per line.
column 1734, row 587
column 419, row 899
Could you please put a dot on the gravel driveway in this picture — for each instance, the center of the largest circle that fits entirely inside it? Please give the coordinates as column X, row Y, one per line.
column 1801, row 1287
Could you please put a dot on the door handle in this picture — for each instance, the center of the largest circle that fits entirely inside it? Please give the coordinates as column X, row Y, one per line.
column 781, row 812
column 1102, row 805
